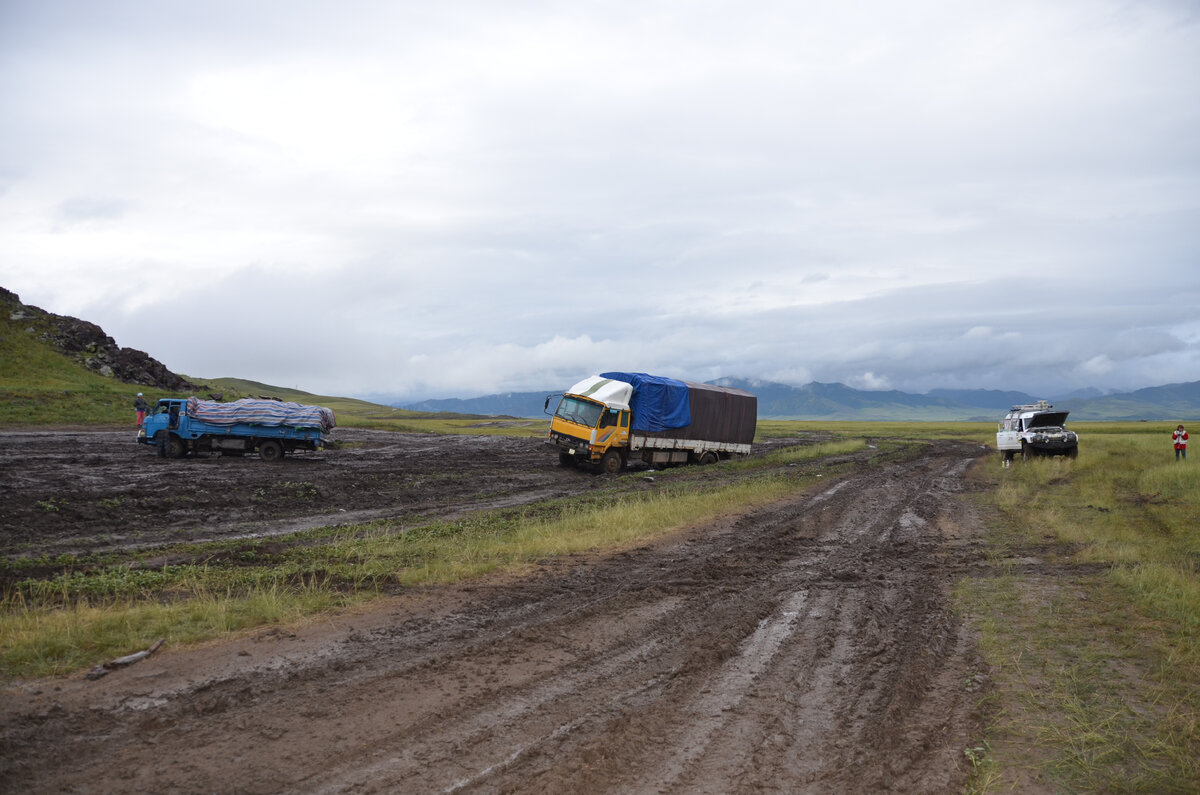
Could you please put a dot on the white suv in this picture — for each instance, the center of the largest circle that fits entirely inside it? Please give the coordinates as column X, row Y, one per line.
column 1035, row 429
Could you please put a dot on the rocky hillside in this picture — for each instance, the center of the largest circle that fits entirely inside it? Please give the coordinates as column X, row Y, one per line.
column 87, row 344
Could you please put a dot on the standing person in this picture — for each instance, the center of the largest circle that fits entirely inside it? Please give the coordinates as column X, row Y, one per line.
column 141, row 406
column 1180, row 438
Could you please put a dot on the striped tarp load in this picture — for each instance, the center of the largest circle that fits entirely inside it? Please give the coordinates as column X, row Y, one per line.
column 261, row 412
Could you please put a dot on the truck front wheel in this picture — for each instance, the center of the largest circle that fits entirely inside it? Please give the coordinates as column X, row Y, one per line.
column 611, row 463
column 176, row 448
column 270, row 450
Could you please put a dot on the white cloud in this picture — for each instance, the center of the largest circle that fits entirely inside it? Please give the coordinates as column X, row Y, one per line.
column 869, row 381
column 1096, row 366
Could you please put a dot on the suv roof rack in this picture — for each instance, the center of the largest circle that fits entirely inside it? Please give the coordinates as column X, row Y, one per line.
column 1041, row 405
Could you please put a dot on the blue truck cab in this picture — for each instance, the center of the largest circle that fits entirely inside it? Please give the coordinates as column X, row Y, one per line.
column 179, row 427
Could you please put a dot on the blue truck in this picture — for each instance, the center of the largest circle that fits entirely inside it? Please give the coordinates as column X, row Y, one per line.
column 272, row 428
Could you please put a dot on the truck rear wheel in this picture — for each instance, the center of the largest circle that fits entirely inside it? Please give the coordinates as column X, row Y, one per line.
column 270, row 450
column 708, row 458
column 611, row 463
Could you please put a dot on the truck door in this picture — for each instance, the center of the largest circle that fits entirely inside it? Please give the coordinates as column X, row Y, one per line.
column 609, row 429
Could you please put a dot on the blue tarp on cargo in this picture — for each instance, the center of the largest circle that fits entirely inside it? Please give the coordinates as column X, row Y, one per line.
column 658, row 403
column 261, row 412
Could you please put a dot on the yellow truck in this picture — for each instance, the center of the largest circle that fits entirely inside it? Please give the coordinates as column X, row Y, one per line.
column 606, row 420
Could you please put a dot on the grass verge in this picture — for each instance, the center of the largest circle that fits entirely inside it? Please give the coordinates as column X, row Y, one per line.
column 1092, row 622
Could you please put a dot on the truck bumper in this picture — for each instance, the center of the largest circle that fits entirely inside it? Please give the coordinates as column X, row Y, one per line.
column 571, row 446
column 1054, row 447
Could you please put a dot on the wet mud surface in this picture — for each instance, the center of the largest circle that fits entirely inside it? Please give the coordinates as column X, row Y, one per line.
column 76, row 491
column 808, row 646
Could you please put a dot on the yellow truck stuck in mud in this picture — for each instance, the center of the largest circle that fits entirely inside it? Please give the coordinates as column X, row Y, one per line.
column 606, row 420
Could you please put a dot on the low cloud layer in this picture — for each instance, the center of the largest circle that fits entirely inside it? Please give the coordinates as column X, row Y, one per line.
column 426, row 201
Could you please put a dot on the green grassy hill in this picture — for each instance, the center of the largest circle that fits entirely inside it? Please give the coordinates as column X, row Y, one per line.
column 41, row 385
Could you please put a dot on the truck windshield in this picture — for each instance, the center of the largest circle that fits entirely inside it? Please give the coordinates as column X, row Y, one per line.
column 583, row 412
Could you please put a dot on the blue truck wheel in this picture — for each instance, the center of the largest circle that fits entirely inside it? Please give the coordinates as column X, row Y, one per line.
column 270, row 450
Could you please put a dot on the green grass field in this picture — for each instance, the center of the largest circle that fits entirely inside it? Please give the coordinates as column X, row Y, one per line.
column 1096, row 645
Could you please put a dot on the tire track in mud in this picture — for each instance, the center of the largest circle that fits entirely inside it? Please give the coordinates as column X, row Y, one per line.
column 805, row 647
column 76, row 492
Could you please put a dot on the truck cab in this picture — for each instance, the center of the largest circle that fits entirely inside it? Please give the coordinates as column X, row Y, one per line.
column 591, row 424
column 165, row 416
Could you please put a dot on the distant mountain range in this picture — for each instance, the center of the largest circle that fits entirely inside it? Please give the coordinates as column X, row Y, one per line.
column 819, row 401
column 87, row 346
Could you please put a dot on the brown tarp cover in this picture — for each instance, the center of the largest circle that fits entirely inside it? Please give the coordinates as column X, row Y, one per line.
column 719, row 414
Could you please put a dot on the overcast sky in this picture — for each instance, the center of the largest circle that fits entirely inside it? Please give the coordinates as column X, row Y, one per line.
column 422, row 199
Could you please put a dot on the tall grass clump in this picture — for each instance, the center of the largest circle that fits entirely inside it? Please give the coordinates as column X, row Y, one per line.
column 43, row 640
column 511, row 542
column 811, row 452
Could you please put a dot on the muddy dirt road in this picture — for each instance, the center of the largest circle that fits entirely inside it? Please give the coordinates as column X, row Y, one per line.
column 804, row 647
column 78, row 491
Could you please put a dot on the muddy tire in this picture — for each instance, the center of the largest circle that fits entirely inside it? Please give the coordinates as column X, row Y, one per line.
column 1026, row 452
column 176, row 448
column 271, row 450
column 611, row 463
column 708, row 458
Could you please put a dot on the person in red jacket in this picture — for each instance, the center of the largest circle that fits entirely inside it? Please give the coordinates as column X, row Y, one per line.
column 1180, row 440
